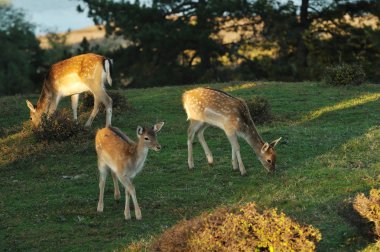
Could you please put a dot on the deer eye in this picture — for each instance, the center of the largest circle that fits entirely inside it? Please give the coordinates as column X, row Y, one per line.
column 146, row 138
column 269, row 161
column 30, row 118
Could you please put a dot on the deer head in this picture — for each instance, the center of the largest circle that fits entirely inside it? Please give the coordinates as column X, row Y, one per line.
column 148, row 135
column 267, row 155
column 35, row 117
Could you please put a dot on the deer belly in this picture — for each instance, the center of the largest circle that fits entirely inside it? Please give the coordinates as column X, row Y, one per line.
column 73, row 88
column 215, row 118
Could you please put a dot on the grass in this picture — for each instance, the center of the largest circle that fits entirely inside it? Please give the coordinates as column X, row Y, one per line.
column 330, row 151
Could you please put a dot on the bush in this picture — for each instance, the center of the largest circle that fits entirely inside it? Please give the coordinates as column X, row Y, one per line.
column 260, row 109
column 119, row 101
column 57, row 127
column 369, row 208
column 344, row 74
column 239, row 229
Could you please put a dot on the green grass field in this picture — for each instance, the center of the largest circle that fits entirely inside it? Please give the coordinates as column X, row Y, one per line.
column 330, row 151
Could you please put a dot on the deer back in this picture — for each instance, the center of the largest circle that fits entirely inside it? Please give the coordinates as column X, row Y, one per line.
column 77, row 74
column 114, row 149
column 216, row 107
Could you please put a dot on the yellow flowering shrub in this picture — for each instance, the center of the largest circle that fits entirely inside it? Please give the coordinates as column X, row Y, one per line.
column 239, row 229
column 369, row 208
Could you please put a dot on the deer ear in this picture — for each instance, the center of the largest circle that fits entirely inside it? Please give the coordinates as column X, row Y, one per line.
column 275, row 142
column 157, row 127
column 140, row 130
column 265, row 147
column 30, row 106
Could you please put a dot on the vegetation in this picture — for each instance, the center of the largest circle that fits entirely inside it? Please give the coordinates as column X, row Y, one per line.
column 119, row 101
column 369, row 208
column 329, row 153
column 344, row 74
column 240, row 229
column 57, row 127
column 260, row 109
column 185, row 42
column 173, row 42
column 20, row 53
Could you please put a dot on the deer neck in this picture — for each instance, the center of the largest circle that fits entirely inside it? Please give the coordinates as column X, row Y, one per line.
column 252, row 136
column 43, row 101
column 141, row 151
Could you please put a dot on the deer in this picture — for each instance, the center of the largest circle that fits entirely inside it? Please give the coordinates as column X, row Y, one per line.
column 70, row 77
column 125, row 159
column 207, row 106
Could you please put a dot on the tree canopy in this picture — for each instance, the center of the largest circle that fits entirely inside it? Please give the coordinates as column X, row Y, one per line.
column 20, row 52
column 184, row 39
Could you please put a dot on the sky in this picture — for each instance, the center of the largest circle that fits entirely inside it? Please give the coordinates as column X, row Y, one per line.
column 53, row 15
column 56, row 15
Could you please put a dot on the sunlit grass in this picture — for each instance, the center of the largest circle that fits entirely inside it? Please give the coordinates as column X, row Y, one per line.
column 341, row 105
column 235, row 87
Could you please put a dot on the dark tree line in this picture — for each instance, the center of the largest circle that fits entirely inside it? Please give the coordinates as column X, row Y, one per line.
column 178, row 41
column 187, row 41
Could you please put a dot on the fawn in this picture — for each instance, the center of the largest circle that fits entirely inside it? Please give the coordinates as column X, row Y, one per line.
column 206, row 106
column 70, row 77
column 125, row 158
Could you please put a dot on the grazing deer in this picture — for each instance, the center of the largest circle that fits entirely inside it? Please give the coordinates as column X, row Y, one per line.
column 206, row 106
column 125, row 159
column 86, row 72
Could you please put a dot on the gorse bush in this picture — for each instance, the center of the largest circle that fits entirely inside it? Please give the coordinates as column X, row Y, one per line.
column 119, row 101
column 260, row 109
column 344, row 74
column 57, row 127
column 369, row 208
column 239, row 229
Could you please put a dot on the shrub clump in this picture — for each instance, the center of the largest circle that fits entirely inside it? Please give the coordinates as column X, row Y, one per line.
column 344, row 74
column 259, row 109
column 118, row 101
column 57, row 127
column 239, row 229
column 369, row 208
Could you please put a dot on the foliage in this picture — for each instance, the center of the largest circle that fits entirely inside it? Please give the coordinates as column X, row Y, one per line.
column 369, row 208
column 119, row 101
column 20, row 53
column 344, row 74
column 178, row 42
column 260, row 109
column 240, row 229
column 57, row 127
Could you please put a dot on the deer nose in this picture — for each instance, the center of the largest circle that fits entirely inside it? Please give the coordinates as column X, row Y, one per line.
column 158, row 147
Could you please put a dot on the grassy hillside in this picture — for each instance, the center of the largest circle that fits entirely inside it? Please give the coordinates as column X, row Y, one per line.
column 330, row 151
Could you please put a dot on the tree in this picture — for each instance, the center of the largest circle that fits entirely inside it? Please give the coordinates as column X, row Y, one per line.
column 20, row 55
column 169, row 38
column 318, row 33
column 179, row 41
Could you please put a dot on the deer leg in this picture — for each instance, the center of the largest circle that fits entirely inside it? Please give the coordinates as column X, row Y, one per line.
column 130, row 190
column 54, row 104
column 202, row 140
column 74, row 105
column 127, row 212
column 193, row 128
column 102, row 180
column 116, row 186
column 107, row 101
column 93, row 113
column 236, row 153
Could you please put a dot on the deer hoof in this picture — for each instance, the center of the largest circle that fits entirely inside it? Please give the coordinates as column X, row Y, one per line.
column 244, row 173
column 127, row 216
column 138, row 214
column 100, row 208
